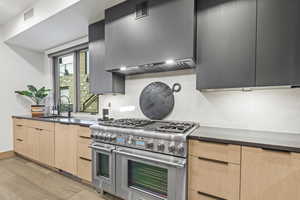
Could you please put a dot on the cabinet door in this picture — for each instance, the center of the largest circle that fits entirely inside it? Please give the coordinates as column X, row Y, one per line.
column 66, row 148
column 46, row 147
column 278, row 43
column 226, row 42
column 33, row 143
column 101, row 81
column 269, row 175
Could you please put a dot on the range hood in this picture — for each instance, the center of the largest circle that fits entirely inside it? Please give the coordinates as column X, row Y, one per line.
column 146, row 36
column 168, row 65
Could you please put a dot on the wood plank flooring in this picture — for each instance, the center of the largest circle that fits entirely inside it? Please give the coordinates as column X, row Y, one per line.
column 23, row 180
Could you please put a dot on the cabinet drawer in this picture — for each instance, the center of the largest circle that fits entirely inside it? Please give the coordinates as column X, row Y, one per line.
column 196, row 195
column 19, row 122
column 84, row 150
column 20, row 146
column 215, row 151
column 215, row 178
column 84, row 169
column 49, row 126
column 84, row 132
column 20, row 131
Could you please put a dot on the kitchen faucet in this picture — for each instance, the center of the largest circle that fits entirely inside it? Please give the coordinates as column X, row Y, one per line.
column 69, row 105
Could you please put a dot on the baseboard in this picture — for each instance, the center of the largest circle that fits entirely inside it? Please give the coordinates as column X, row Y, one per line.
column 7, row 154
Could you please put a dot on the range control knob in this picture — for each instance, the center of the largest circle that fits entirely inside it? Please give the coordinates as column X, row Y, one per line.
column 161, row 147
column 101, row 136
column 171, row 147
column 108, row 137
column 180, row 149
column 150, row 145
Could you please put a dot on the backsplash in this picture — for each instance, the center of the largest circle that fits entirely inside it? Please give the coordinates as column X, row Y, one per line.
column 268, row 109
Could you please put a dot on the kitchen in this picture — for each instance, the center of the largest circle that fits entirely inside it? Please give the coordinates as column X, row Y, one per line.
column 148, row 100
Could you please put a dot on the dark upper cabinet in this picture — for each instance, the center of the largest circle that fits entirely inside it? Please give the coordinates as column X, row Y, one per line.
column 278, row 42
column 101, row 82
column 226, row 36
column 141, row 32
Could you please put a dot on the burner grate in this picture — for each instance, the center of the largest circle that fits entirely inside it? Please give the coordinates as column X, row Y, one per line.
column 129, row 123
column 158, row 126
column 175, row 127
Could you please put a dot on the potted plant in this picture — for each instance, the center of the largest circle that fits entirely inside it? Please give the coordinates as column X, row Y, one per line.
column 37, row 96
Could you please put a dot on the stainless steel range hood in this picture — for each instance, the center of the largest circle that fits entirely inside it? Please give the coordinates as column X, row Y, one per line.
column 168, row 65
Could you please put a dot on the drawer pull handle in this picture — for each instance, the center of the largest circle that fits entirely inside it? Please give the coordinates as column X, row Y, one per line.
column 277, row 150
column 209, row 195
column 212, row 160
column 20, row 140
column 82, row 158
column 85, row 137
column 18, row 125
column 38, row 129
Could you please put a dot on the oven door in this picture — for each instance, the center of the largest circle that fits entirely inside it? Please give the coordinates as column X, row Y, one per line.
column 103, row 169
column 142, row 175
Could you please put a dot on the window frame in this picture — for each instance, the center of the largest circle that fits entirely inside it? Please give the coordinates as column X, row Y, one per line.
column 76, row 68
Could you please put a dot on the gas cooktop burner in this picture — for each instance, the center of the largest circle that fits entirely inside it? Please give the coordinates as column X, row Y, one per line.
column 175, row 127
column 159, row 126
column 128, row 123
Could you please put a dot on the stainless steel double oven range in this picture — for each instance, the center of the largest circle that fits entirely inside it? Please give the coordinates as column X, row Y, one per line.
column 141, row 159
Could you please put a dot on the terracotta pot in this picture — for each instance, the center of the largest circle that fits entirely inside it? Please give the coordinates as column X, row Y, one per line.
column 37, row 110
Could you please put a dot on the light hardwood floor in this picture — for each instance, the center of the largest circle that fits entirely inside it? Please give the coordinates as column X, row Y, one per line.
column 23, row 180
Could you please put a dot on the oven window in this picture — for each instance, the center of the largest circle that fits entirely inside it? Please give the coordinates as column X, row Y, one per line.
column 148, row 178
column 103, row 165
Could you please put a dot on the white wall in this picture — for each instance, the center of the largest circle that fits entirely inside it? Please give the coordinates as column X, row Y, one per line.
column 273, row 110
column 19, row 67
column 43, row 9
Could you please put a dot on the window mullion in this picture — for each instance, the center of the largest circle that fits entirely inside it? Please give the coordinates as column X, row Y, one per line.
column 77, row 81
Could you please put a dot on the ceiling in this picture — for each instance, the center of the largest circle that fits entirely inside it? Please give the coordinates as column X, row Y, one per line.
column 11, row 8
column 66, row 26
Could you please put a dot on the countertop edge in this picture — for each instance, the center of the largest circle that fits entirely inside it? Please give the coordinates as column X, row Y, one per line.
column 52, row 121
column 248, row 144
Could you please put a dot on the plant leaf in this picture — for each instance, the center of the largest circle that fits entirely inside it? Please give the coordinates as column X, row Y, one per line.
column 42, row 93
column 32, row 88
column 25, row 93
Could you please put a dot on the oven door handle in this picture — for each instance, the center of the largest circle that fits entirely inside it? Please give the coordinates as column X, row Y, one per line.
column 177, row 165
column 100, row 148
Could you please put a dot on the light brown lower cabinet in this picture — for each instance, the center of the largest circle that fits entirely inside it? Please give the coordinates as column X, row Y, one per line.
column 269, row 175
column 63, row 146
column 34, row 140
column 66, row 148
column 46, row 147
column 214, row 171
column 33, row 143
column 84, row 154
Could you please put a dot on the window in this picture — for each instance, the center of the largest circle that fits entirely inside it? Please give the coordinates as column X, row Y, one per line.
column 88, row 101
column 72, row 84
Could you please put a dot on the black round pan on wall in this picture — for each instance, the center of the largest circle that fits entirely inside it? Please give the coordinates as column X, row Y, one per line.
column 157, row 100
